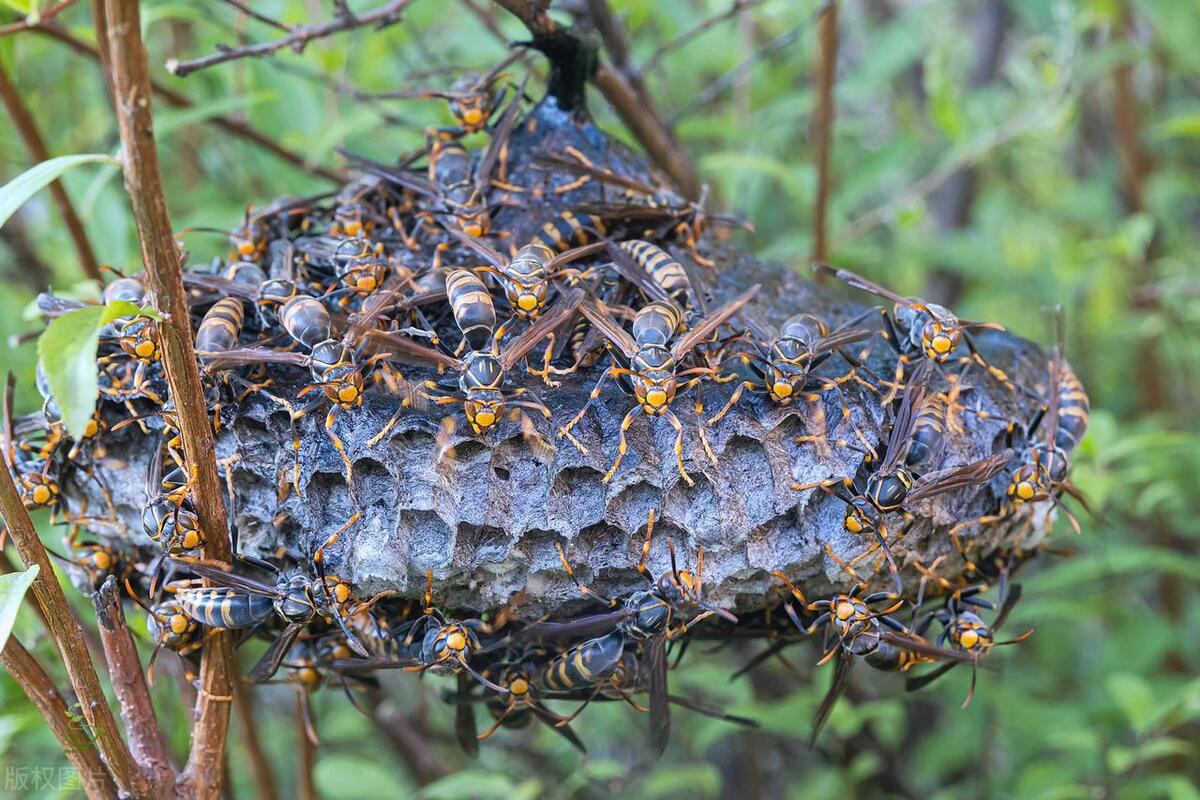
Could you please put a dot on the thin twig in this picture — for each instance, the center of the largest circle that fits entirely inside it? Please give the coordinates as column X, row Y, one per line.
column 823, row 127
column 642, row 120
column 72, row 738
column 32, row 137
column 612, row 33
column 146, row 741
column 27, row 23
column 297, row 40
column 410, row 744
column 733, row 76
column 68, row 635
column 1015, row 126
column 27, row 266
column 306, row 757
column 178, row 100
column 130, row 72
column 655, row 59
column 252, row 14
column 243, row 706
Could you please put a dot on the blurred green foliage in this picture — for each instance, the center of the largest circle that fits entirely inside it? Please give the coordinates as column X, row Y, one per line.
column 1104, row 699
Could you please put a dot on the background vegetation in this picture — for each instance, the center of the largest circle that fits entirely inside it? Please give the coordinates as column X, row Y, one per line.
column 1002, row 155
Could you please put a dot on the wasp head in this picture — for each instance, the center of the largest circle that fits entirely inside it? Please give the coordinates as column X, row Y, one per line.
column 654, row 379
column 970, row 633
column 940, row 333
column 169, row 627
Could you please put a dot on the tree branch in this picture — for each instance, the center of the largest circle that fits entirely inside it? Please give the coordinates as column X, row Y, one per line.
column 146, row 741
column 68, row 635
column 38, row 152
column 411, row 745
column 243, row 706
column 130, row 72
column 305, row 758
column 297, row 40
column 45, row 16
column 178, row 100
column 655, row 59
column 823, row 127
column 73, row 739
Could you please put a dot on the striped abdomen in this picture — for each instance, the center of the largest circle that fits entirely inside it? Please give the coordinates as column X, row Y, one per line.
column 585, row 664
column 221, row 326
column 306, row 320
column 569, row 230
column 221, row 607
column 928, row 436
column 1073, row 411
column 656, row 323
column 662, row 268
column 472, row 306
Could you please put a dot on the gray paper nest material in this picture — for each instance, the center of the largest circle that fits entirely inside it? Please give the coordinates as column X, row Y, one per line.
column 487, row 519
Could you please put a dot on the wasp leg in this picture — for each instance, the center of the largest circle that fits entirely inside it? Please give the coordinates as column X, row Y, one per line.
column 623, row 444
column 674, row 422
column 319, row 556
column 585, row 590
column 595, row 395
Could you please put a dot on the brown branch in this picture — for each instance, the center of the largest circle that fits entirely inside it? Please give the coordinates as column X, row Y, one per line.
column 243, row 706
column 297, row 40
column 48, row 14
column 176, row 99
column 306, row 757
column 612, row 33
column 409, row 743
column 27, row 266
column 642, row 121
column 823, row 127
column 130, row 72
column 655, row 59
column 735, row 75
column 68, row 635
column 72, row 738
column 38, row 152
column 128, row 680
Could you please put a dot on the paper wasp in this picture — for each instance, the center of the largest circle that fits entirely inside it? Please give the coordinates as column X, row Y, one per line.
column 966, row 631
column 646, row 621
column 526, row 277
column 473, row 98
column 1041, row 471
column 482, row 372
column 168, row 627
column 781, row 366
column 523, row 702
column 567, row 230
column 647, row 368
column 458, row 191
column 167, row 516
column 916, row 329
column 891, row 485
column 221, row 326
column 854, row 629
column 235, row 602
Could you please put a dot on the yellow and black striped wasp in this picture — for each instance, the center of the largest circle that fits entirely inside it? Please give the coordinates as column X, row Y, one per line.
column 235, row 602
column 916, row 329
column 646, row 364
column 523, row 703
column 781, row 366
column 645, row 622
column 482, row 385
column 965, row 631
column 854, row 629
column 526, row 278
column 473, row 99
column 1041, row 471
column 891, row 484
column 169, row 627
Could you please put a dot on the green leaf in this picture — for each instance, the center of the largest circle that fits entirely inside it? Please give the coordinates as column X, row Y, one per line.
column 26, row 8
column 67, row 350
column 12, row 591
column 1180, row 126
column 16, row 192
column 474, row 783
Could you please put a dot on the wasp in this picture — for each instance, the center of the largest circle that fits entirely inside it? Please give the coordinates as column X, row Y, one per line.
column 646, row 621
column 473, row 99
column 437, row 644
column 916, row 329
column 167, row 516
column 457, row 191
column 526, row 277
column 1041, row 471
column 482, row 372
column 781, row 366
column 968, row 634
column 647, row 367
column 522, row 703
column 568, row 230
column 855, row 629
column 268, row 295
column 892, row 484
column 169, row 627
column 221, row 326
column 235, row 602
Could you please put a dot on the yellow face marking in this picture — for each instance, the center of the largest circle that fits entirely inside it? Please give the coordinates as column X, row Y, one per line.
column 656, row 398
column 456, row 641
column 41, row 495
column 341, row 593
column 179, row 623
column 144, row 349
column 527, row 302
column 347, row 394
column 245, row 248
column 102, row 560
column 941, row 344
column 969, row 639
column 519, row 686
column 472, row 116
column 191, row 539
column 844, row 610
column 1025, row 490
column 473, row 229
column 485, row 418
column 782, row 389
column 354, row 227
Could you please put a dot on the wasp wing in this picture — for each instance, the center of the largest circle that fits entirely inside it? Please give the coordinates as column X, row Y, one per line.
column 464, row 717
column 655, row 659
column 268, row 665
column 610, row 328
column 906, row 417
column 401, row 348
column 498, row 143
column 845, row 661
column 550, row 320
column 684, row 344
column 917, row 682
column 977, row 472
